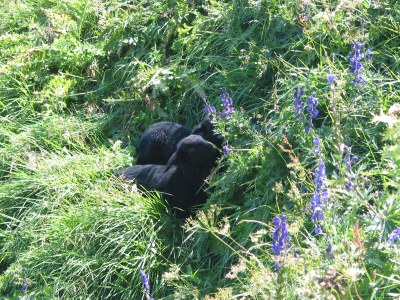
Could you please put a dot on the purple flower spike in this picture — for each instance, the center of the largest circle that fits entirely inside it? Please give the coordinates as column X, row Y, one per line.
column 145, row 280
column 317, row 149
column 280, row 235
column 146, row 284
column 280, row 238
column 330, row 78
column 368, row 54
column 312, row 111
column 395, row 235
column 348, row 160
column 356, row 57
column 298, row 103
column 227, row 103
column 320, row 197
column 329, row 251
column 209, row 110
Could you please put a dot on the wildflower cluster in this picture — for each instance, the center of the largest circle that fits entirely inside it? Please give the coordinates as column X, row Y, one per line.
column 356, row 57
column 348, row 160
column 146, row 284
column 395, row 235
column 227, row 112
column 280, row 237
column 320, row 196
column 298, row 103
column 310, row 111
column 226, row 103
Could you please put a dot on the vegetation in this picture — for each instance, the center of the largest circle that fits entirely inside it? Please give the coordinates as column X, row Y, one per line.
column 304, row 206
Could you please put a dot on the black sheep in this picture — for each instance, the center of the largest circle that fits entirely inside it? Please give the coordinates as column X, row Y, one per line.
column 206, row 130
column 182, row 178
column 159, row 141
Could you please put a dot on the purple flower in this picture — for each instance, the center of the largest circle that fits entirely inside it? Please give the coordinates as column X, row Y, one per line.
column 318, row 230
column 325, row 196
column 395, row 235
column 226, row 149
column 319, row 175
column 317, row 149
column 145, row 281
column 348, row 160
column 319, row 198
column 312, row 111
column 280, row 235
column 329, row 251
column 356, row 57
column 24, row 286
column 330, row 78
column 297, row 102
column 146, row 284
column 209, row 110
column 227, row 103
column 368, row 54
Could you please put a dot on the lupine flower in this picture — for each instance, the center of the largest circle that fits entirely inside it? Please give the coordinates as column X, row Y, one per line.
column 299, row 106
column 319, row 175
column 318, row 230
column 145, row 280
column 227, row 103
column 368, row 54
column 320, row 196
column 226, row 149
column 329, row 251
column 146, row 284
column 348, row 160
column 395, row 235
column 297, row 102
column 209, row 110
column 317, row 149
column 356, row 57
column 24, row 286
column 330, row 78
column 280, row 237
column 312, row 111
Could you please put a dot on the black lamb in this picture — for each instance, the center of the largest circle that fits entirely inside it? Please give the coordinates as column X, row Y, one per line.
column 159, row 141
column 206, row 129
column 182, row 178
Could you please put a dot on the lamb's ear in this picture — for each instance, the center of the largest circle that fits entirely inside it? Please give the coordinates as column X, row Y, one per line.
column 173, row 160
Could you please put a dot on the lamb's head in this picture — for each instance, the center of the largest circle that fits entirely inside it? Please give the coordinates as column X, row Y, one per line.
column 195, row 156
column 206, row 130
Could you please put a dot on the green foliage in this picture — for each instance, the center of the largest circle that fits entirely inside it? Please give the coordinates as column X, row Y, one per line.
column 81, row 80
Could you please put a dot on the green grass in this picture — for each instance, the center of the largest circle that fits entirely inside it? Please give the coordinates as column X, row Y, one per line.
column 81, row 80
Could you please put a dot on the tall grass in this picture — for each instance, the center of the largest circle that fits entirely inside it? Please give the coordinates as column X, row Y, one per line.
column 81, row 80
